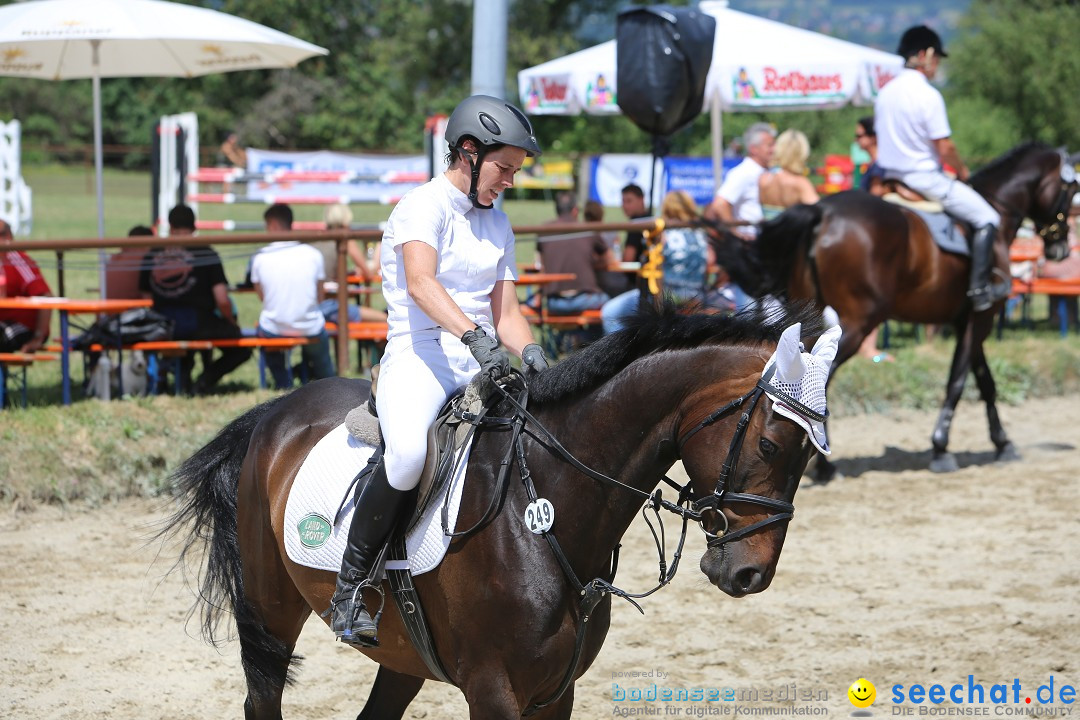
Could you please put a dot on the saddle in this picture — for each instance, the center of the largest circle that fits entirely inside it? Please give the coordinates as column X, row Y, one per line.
column 948, row 234
column 896, row 192
column 447, row 437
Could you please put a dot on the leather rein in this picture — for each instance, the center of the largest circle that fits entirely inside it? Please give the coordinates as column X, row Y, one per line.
column 687, row 506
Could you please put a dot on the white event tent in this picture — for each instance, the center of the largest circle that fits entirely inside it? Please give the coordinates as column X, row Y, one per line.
column 758, row 64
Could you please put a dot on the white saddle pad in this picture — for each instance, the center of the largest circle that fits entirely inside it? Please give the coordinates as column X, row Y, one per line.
column 316, row 539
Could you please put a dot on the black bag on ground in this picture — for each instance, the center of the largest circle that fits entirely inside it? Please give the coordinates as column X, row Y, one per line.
column 130, row 326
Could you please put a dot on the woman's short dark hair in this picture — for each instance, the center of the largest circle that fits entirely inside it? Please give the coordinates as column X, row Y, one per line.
column 867, row 124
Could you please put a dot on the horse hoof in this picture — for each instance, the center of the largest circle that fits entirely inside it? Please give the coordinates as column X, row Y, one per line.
column 944, row 463
column 1007, row 453
column 825, row 473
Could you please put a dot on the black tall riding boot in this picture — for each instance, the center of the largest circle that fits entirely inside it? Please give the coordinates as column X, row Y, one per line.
column 377, row 505
column 982, row 290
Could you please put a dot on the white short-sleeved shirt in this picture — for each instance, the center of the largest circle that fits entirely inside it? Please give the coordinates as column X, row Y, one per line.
column 290, row 274
column 740, row 189
column 909, row 115
column 475, row 250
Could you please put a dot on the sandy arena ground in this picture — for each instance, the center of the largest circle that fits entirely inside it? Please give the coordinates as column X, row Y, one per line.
column 892, row 573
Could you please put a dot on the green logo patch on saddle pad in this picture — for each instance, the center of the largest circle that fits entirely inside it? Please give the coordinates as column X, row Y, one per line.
column 313, row 530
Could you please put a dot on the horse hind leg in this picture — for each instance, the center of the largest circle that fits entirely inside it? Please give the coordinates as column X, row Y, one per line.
column 1005, row 450
column 390, row 695
column 943, row 460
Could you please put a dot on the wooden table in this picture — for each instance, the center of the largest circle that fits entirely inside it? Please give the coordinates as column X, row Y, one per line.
column 65, row 306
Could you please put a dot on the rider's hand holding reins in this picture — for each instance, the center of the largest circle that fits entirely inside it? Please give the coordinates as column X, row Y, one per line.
column 533, row 358
column 493, row 360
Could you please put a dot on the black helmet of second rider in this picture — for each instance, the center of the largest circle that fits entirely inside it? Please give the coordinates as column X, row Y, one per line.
column 490, row 123
column 917, row 39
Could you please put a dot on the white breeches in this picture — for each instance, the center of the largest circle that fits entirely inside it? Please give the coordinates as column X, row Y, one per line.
column 417, row 374
column 960, row 200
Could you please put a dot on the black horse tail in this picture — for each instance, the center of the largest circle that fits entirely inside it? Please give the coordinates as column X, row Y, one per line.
column 764, row 267
column 206, row 486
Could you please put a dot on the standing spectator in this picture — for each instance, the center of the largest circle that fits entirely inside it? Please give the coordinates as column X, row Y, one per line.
column 866, row 138
column 337, row 217
column 737, row 199
column 288, row 276
column 122, row 269
column 187, row 284
column 21, row 330
column 871, row 182
column 582, row 254
column 686, row 257
column 786, row 183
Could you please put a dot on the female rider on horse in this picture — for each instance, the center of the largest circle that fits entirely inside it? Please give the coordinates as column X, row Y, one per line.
column 448, row 273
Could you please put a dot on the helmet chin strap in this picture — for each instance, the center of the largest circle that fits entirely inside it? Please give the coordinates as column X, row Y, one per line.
column 474, row 170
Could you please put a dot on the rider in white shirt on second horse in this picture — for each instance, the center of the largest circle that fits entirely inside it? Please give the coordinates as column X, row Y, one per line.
column 448, row 274
column 913, row 136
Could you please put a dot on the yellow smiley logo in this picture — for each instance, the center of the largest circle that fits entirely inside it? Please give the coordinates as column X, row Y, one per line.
column 862, row 693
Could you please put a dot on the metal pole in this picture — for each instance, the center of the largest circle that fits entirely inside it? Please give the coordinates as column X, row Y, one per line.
column 717, row 123
column 95, row 46
column 489, row 48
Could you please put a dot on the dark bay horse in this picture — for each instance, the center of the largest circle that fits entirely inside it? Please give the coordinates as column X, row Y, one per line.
column 873, row 261
column 504, row 613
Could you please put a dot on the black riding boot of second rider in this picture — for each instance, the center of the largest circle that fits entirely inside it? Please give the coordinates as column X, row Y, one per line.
column 982, row 289
column 377, row 505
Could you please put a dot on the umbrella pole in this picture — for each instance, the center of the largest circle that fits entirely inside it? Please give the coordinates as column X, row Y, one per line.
column 95, row 45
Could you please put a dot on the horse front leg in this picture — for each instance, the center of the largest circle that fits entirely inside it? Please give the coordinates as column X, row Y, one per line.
column 390, row 695
column 1006, row 451
column 943, row 460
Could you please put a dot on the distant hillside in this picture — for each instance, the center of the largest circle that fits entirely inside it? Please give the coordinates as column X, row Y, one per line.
column 877, row 23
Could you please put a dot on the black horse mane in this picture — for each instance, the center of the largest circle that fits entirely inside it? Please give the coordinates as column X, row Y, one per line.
column 653, row 331
column 1004, row 167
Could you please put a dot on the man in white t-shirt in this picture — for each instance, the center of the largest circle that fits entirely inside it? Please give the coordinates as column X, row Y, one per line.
column 737, row 199
column 288, row 276
column 913, row 136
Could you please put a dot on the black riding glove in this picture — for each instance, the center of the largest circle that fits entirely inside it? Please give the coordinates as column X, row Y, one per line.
column 533, row 358
column 493, row 360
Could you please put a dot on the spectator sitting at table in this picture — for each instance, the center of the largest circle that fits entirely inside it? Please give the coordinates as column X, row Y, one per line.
column 122, row 269
column 21, row 330
column 187, row 284
column 581, row 253
column 288, row 277
column 339, row 216
column 633, row 205
column 686, row 259
column 610, row 281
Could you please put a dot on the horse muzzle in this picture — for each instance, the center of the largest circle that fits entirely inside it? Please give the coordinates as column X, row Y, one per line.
column 1056, row 252
column 735, row 578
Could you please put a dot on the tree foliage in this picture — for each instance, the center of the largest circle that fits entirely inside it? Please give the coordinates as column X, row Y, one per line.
column 1010, row 74
column 1013, row 75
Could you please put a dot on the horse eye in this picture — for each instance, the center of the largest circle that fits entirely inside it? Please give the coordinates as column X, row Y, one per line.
column 768, row 447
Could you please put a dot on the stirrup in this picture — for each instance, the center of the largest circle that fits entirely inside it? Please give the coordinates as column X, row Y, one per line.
column 356, row 601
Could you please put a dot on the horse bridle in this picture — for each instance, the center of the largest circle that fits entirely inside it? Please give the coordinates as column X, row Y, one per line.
column 721, row 496
column 1058, row 229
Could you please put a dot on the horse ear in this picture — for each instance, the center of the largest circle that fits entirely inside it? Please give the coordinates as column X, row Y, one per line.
column 789, row 361
column 827, row 345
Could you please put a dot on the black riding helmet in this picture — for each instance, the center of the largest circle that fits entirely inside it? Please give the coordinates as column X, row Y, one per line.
column 491, row 122
column 919, row 37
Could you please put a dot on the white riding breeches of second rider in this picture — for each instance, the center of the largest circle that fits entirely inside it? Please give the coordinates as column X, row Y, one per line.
column 961, row 201
column 418, row 373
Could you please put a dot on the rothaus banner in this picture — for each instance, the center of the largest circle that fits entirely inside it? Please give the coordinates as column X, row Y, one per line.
column 357, row 178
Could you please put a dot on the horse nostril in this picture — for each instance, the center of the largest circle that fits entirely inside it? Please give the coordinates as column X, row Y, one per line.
column 749, row 579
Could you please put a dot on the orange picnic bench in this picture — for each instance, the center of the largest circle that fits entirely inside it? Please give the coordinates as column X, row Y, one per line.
column 1061, row 288
column 21, row 361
